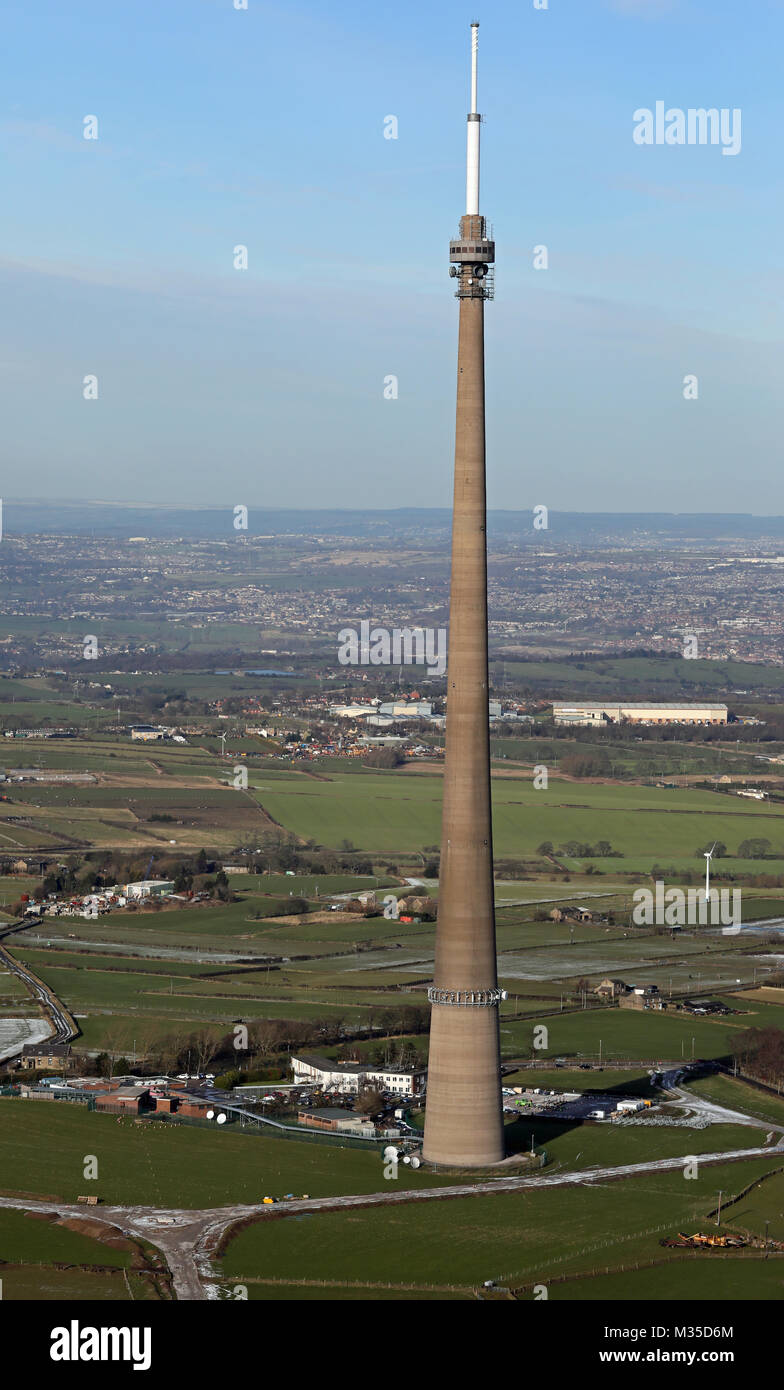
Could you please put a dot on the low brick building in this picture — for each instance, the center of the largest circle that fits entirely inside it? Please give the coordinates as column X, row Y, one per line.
column 334, row 1118
column 125, row 1100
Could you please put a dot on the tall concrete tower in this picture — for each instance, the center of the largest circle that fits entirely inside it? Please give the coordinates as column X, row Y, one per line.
column 464, row 1117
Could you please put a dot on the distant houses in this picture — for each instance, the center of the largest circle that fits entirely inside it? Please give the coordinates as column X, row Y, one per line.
column 576, row 914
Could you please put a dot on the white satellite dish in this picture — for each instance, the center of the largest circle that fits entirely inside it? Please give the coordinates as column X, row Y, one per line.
column 406, row 1159
column 415, row 1162
column 221, row 1120
column 390, row 1152
column 210, row 1114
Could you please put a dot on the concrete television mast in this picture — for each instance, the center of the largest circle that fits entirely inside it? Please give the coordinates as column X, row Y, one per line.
column 464, row 1117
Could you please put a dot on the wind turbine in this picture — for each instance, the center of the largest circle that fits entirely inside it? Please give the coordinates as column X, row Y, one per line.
column 708, row 856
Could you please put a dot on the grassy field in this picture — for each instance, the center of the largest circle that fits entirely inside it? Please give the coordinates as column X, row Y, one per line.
column 31, row 1245
column 380, row 812
column 513, row 1239
column 692, row 1277
column 31, row 1240
column 44, row 1145
column 38, row 1284
column 384, row 812
column 736, row 1094
column 624, row 1034
column 605, row 676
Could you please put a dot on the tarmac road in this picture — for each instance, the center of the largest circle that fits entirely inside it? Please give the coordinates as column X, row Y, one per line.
column 63, row 1030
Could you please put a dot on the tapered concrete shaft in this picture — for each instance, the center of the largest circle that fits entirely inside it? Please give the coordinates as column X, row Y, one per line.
column 464, row 1117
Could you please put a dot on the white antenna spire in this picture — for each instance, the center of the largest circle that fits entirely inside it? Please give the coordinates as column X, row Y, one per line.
column 474, row 122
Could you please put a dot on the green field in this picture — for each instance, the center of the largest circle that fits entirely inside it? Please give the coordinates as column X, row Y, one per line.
column 739, row 1278
column 27, row 1239
column 624, row 1034
column 40, row 1284
column 384, row 812
column 640, row 676
column 513, row 1239
column 44, row 1144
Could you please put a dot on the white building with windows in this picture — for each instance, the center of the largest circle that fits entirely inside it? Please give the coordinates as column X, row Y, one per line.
column 348, row 1077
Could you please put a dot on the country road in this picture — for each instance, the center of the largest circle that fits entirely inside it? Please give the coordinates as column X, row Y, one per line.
column 188, row 1239
column 64, row 1030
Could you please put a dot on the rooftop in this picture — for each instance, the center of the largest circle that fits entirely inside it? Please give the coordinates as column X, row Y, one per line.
column 352, row 1068
column 634, row 704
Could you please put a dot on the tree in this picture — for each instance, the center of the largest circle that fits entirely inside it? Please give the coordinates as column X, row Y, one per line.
column 546, row 847
column 204, row 1045
column 384, row 758
column 369, row 1101
column 756, row 848
column 719, row 849
column 586, row 764
column 116, row 1040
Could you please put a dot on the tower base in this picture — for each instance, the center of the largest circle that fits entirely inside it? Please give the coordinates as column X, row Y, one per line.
column 464, row 1125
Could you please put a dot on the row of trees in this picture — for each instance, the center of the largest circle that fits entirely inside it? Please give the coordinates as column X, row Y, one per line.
column 575, row 849
column 259, row 1045
column 755, row 848
column 760, row 1052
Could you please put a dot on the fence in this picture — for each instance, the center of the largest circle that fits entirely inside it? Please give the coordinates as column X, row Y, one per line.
column 308, row 1136
column 715, row 1254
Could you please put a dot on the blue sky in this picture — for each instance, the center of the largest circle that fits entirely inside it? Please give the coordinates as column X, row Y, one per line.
column 264, row 127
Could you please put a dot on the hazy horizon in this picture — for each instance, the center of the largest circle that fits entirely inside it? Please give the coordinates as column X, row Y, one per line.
column 264, row 128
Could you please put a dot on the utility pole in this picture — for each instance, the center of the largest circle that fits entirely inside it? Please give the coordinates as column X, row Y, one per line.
column 718, row 1213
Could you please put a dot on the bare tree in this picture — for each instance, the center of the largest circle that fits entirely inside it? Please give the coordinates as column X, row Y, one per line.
column 204, row 1044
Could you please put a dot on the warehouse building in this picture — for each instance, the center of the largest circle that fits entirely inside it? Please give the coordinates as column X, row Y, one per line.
column 597, row 714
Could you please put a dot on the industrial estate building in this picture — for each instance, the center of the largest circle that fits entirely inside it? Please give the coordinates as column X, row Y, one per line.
column 616, row 713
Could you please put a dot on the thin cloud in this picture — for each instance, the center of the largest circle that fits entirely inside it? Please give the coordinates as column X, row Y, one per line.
column 41, row 133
